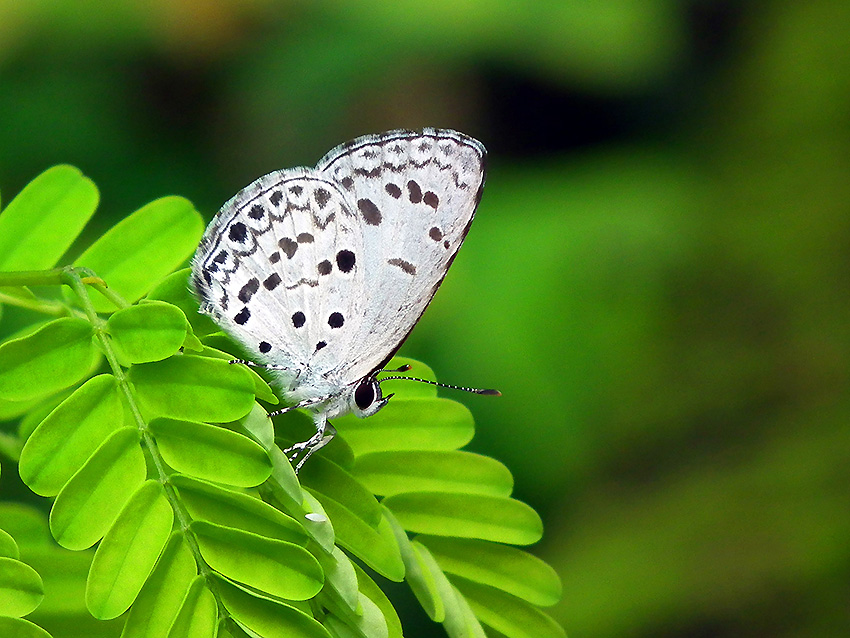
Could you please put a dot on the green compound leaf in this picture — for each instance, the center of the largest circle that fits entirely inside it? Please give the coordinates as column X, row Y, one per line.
column 409, row 424
column 215, row 504
column 89, row 503
column 127, row 555
column 20, row 628
column 279, row 568
column 161, row 598
column 375, row 547
column 42, row 222
column 147, row 332
column 69, row 435
column 54, row 357
column 211, row 452
column 340, row 588
column 198, row 616
column 143, row 248
column 388, row 473
column 507, row 568
column 8, row 546
column 21, row 589
column 194, row 388
column 266, row 617
column 492, row 518
column 507, row 614
column 329, row 479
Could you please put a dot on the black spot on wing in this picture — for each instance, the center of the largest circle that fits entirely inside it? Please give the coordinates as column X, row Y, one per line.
column 304, row 238
column 406, row 266
column 430, row 198
column 345, row 260
column 271, row 282
column 414, row 193
column 325, row 267
column 265, row 346
column 370, row 211
column 276, row 197
column 256, row 212
column 393, row 190
column 238, row 232
column 435, row 233
column 322, row 197
column 336, row 320
column 242, row 316
column 288, row 246
column 247, row 291
column 298, row 319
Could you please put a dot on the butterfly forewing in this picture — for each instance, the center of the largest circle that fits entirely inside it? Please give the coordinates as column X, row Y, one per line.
column 416, row 195
column 325, row 271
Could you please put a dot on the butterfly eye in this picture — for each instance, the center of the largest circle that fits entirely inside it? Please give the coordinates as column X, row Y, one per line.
column 367, row 398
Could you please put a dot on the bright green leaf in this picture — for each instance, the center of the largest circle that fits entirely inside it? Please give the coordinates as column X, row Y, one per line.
column 279, row 568
column 127, row 555
column 327, row 478
column 54, row 357
column 198, row 614
column 215, row 504
column 175, row 290
column 375, row 594
column 340, row 580
column 317, row 523
column 211, row 452
column 388, row 473
column 507, row 614
column 370, row 623
column 493, row 518
column 42, row 222
column 8, row 546
column 506, row 568
column 409, row 424
column 163, row 595
column 143, row 248
column 417, row 573
column 261, row 387
column 258, row 426
column 20, row 628
column 268, row 618
column 89, row 503
column 21, row 589
column 377, row 548
column 194, row 388
column 147, row 332
column 69, row 435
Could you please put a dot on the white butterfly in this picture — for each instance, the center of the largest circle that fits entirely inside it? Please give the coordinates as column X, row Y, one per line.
column 322, row 273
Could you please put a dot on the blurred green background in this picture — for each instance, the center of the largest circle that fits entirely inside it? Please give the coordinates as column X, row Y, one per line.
column 657, row 279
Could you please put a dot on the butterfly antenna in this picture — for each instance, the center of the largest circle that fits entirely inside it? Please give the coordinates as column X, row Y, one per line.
column 445, row 385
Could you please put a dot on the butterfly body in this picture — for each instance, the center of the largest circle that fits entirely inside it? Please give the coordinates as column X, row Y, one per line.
column 322, row 273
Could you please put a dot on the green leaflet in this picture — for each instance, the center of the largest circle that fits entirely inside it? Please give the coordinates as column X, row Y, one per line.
column 279, row 568
column 511, row 616
column 211, row 452
column 143, row 248
column 258, row 426
column 507, row 568
column 370, row 623
column 388, row 473
column 215, row 504
column 44, row 219
column 340, row 587
column 261, row 388
column 8, row 546
column 89, row 503
column 20, row 628
column 21, row 589
column 198, row 616
column 417, row 573
column 457, row 619
column 493, row 518
column 194, row 388
column 175, row 290
column 375, row 547
column 127, row 554
column 54, row 357
column 372, row 592
column 268, row 618
column 409, row 424
column 327, row 478
column 160, row 600
column 147, row 332
column 69, row 435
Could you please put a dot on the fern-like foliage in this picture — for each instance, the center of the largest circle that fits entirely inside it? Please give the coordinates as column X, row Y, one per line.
column 159, row 453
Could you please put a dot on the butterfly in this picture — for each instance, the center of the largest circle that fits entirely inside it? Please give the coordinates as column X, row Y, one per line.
column 321, row 273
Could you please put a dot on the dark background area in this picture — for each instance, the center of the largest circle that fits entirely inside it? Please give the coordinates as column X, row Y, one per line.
column 657, row 278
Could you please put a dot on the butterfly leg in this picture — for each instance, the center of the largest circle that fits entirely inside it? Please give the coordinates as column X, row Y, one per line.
column 324, row 433
column 252, row 364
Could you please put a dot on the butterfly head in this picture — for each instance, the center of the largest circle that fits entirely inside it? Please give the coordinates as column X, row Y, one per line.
column 366, row 399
